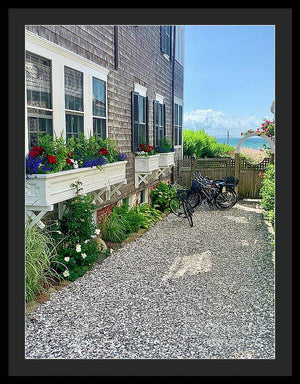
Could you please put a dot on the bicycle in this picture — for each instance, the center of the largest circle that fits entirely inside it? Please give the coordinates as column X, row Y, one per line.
column 219, row 192
column 180, row 206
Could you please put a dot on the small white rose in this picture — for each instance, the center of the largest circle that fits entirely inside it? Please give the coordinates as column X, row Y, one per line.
column 86, row 241
column 66, row 259
column 97, row 231
column 78, row 248
column 111, row 250
column 83, row 255
column 75, row 165
column 66, row 273
column 93, row 236
column 58, row 232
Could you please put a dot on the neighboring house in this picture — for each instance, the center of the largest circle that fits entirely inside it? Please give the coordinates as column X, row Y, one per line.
column 121, row 82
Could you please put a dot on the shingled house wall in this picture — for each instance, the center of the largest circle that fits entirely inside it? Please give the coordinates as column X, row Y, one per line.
column 140, row 60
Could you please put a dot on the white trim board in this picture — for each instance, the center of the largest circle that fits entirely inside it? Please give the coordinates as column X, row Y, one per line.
column 141, row 90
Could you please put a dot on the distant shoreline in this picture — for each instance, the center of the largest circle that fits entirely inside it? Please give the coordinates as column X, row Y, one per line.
column 251, row 142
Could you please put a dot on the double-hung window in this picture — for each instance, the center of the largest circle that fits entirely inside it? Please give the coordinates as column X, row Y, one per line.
column 140, row 119
column 99, row 108
column 179, row 44
column 165, row 39
column 39, row 97
column 178, row 123
column 73, row 102
column 159, row 118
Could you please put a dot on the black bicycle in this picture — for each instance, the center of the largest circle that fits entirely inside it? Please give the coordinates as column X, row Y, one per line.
column 180, row 206
column 219, row 193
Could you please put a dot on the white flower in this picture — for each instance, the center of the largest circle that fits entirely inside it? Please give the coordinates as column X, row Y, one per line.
column 75, row 165
column 93, row 236
column 83, row 255
column 67, row 259
column 111, row 250
column 97, row 231
column 78, row 248
column 66, row 273
column 58, row 232
column 86, row 241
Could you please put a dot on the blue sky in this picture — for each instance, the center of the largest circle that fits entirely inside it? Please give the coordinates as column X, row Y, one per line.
column 228, row 78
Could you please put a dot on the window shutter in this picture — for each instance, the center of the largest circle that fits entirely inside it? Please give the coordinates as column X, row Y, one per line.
column 135, row 120
column 155, row 121
column 147, row 119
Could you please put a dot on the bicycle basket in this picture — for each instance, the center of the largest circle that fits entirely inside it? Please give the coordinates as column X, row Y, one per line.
column 182, row 193
column 231, row 180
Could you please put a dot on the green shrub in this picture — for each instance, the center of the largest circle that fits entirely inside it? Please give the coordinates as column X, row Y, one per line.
column 149, row 215
column 39, row 252
column 161, row 196
column 75, row 232
column 203, row 145
column 113, row 229
column 267, row 193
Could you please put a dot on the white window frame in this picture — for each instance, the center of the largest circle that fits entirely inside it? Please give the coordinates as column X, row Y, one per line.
column 179, row 44
column 61, row 57
column 178, row 101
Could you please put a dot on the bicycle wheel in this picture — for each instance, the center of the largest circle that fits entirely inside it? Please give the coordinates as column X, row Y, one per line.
column 226, row 200
column 195, row 200
column 188, row 212
column 176, row 207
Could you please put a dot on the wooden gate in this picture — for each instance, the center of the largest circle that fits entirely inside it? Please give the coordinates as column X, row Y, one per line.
column 248, row 174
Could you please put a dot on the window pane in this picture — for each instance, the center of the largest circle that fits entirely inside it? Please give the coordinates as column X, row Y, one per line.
column 160, row 114
column 74, row 125
column 141, row 109
column 38, row 124
column 142, row 133
column 99, row 127
column 176, row 135
column 99, row 97
column 38, row 81
column 73, row 89
column 176, row 114
column 180, row 115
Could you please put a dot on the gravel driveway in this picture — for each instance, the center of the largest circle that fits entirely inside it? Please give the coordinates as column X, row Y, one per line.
column 177, row 292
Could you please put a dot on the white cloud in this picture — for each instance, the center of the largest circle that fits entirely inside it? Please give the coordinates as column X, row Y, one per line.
column 216, row 123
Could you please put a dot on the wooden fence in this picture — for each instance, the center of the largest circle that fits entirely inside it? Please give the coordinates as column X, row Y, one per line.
column 249, row 184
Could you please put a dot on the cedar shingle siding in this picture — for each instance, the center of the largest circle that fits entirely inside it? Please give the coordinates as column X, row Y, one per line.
column 140, row 61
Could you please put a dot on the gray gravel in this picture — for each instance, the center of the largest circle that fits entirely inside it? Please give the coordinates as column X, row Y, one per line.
column 177, row 292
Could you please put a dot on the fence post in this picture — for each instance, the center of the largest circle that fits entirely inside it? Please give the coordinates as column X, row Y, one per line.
column 228, row 164
column 272, row 158
column 193, row 166
column 237, row 170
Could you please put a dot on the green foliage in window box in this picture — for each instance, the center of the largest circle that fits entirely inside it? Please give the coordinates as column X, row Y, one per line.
column 161, row 196
column 165, row 145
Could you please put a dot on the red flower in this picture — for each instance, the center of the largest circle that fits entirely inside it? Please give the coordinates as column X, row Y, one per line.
column 33, row 153
column 36, row 151
column 51, row 159
column 68, row 161
column 103, row 151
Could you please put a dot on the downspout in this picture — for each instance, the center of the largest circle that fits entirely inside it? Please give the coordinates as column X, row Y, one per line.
column 116, row 46
column 172, row 92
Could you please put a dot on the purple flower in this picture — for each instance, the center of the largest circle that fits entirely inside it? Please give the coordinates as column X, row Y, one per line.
column 122, row 157
column 94, row 162
column 173, row 149
column 33, row 165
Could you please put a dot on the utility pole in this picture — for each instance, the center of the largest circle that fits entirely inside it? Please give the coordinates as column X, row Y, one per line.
column 227, row 137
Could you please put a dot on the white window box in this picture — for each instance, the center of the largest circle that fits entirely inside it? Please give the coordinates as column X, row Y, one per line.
column 166, row 159
column 145, row 168
column 44, row 190
column 146, row 164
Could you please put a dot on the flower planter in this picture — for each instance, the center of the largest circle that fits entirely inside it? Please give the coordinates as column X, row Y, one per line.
column 146, row 164
column 46, row 189
column 166, row 159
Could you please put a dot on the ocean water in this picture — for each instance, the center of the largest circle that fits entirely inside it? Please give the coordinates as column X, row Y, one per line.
column 252, row 142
